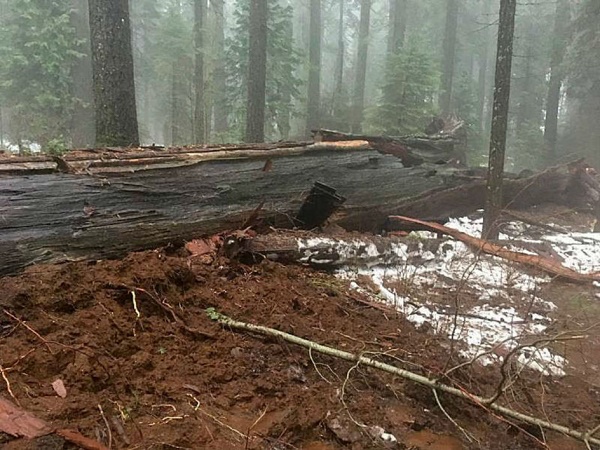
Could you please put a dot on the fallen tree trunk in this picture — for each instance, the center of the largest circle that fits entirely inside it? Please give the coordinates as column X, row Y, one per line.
column 100, row 211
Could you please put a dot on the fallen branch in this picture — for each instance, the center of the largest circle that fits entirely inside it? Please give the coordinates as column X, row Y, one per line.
column 542, row 263
column 411, row 376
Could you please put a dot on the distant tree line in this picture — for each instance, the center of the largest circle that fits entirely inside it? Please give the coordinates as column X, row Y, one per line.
column 178, row 72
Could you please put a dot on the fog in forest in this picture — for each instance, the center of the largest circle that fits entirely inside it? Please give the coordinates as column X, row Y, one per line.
column 384, row 67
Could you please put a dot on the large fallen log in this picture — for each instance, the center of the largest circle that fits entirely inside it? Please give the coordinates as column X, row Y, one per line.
column 107, row 203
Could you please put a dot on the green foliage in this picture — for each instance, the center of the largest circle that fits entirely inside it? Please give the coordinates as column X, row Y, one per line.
column 283, row 62
column 56, row 146
column 407, row 95
column 38, row 50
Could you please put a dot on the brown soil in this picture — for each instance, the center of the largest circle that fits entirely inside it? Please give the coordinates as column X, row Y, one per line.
column 169, row 378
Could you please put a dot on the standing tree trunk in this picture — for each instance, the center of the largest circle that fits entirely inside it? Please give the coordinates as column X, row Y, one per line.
column 313, row 108
column 358, row 105
column 397, row 31
column 82, row 129
column 449, row 56
column 199, row 110
column 526, row 99
column 484, row 57
column 493, row 204
column 556, row 76
column 257, row 71
column 220, row 100
column 338, row 82
column 176, row 138
column 112, row 63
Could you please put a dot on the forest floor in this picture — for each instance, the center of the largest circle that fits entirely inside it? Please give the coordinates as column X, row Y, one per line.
column 152, row 371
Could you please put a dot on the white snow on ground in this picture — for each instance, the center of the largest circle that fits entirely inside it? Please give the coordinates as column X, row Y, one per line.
column 487, row 330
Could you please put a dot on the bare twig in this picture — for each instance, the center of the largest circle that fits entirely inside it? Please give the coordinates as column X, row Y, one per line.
column 107, row 426
column 197, row 407
column 252, row 427
column 468, row 435
column 411, row 376
column 8, row 387
column 35, row 333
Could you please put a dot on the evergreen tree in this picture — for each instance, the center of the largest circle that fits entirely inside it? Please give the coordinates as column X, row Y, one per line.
column 38, row 50
column 408, row 93
column 282, row 82
column 583, row 83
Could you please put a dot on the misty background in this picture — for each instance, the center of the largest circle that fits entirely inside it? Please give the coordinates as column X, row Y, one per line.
column 420, row 59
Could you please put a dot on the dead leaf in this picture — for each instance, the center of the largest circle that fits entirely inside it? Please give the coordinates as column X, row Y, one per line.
column 59, row 388
column 199, row 247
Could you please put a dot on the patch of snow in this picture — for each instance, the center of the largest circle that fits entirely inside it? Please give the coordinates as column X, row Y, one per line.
column 487, row 330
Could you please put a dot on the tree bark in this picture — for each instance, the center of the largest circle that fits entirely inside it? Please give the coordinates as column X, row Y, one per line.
column 449, row 56
column 529, row 106
column 314, row 68
column 494, row 198
column 220, row 103
column 557, row 74
column 199, row 49
column 484, row 57
column 361, row 66
column 122, row 209
column 257, row 74
column 112, row 62
column 338, row 82
column 82, row 129
column 397, row 25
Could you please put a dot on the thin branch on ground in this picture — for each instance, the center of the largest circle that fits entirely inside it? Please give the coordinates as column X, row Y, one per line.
column 35, row 333
column 8, row 387
column 197, row 407
column 108, row 430
column 411, row 376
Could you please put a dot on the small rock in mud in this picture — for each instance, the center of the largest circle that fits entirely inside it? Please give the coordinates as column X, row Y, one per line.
column 344, row 429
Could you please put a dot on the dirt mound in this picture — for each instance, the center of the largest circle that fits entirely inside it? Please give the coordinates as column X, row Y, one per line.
column 145, row 368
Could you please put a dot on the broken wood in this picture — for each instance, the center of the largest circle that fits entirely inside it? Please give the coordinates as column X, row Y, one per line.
column 545, row 264
column 412, row 150
column 18, row 423
column 110, row 160
column 322, row 251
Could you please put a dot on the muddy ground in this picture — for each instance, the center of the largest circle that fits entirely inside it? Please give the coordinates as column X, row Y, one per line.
column 158, row 374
